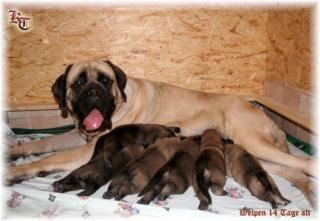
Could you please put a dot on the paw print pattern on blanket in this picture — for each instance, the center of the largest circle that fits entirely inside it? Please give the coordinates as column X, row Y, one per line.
column 51, row 197
column 86, row 214
column 15, row 200
column 126, row 209
column 234, row 192
column 84, row 197
column 48, row 213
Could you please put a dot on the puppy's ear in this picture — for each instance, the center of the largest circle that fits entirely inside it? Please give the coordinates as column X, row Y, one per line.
column 121, row 79
column 60, row 92
column 197, row 139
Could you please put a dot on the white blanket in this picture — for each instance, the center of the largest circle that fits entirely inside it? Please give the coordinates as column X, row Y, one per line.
column 35, row 198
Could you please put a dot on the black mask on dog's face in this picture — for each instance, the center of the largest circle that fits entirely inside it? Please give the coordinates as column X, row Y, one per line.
column 90, row 91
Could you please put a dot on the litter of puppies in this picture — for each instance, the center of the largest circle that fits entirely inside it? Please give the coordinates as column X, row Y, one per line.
column 154, row 161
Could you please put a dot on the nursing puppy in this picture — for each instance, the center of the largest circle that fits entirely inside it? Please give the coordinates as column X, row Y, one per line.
column 97, row 172
column 139, row 173
column 210, row 169
column 247, row 171
column 131, row 134
column 107, row 145
column 176, row 176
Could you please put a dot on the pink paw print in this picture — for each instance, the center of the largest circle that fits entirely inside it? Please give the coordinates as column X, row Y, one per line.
column 126, row 209
column 233, row 192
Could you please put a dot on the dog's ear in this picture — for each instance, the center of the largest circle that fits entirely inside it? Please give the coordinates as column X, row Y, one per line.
column 60, row 92
column 121, row 79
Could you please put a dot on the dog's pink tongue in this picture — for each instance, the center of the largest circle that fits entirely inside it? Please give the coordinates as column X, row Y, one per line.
column 93, row 120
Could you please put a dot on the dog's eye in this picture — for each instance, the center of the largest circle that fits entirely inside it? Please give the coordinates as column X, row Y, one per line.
column 81, row 80
column 104, row 80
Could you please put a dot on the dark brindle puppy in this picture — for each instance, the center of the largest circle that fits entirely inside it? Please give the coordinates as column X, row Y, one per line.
column 106, row 147
column 176, row 176
column 139, row 173
column 210, row 169
column 131, row 134
column 247, row 171
column 97, row 172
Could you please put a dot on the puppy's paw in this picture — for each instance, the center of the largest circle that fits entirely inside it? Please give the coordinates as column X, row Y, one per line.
column 108, row 195
column 162, row 197
column 204, row 205
column 143, row 201
column 119, row 196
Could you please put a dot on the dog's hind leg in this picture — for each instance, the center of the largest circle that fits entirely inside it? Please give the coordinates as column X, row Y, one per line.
column 218, row 190
column 167, row 190
column 264, row 149
column 151, row 194
column 114, row 186
column 298, row 178
column 126, row 189
column 201, row 190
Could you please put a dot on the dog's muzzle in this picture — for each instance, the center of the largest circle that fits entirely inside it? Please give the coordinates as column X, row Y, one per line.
column 95, row 106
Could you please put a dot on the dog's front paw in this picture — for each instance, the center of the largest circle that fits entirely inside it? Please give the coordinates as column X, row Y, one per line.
column 15, row 174
column 11, row 156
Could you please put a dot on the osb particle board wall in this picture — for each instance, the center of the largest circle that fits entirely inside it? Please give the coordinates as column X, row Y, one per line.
column 205, row 49
column 289, row 57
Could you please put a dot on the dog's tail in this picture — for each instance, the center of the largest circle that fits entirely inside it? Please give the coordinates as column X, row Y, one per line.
column 200, row 183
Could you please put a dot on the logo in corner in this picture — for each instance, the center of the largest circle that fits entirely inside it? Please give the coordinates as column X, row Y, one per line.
column 15, row 17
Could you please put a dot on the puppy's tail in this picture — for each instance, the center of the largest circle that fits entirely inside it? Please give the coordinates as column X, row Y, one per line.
column 262, row 177
column 275, row 196
column 201, row 185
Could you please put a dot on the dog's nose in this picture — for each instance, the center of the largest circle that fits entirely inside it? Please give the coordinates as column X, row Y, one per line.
column 93, row 95
column 92, row 92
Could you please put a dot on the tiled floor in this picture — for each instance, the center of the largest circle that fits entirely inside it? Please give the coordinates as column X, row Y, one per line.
column 37, row 119
column 296, row 99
